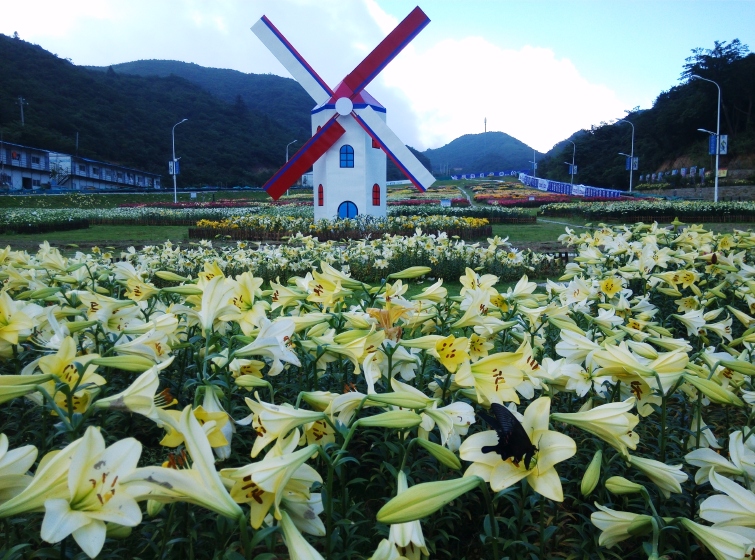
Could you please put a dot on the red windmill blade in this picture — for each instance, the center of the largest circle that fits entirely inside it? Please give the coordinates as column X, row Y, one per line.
column 387, row 50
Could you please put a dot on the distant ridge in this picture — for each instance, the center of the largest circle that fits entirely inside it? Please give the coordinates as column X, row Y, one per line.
column 489, row 151
column 281, row 99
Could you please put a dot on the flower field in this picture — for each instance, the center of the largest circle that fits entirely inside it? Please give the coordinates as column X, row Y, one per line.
column 655, row 210
column 275, row 227
column 308, row 400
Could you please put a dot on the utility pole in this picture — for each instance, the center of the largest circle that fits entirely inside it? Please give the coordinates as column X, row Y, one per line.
column 77, row 144
column 2, row 160
column 22, row 102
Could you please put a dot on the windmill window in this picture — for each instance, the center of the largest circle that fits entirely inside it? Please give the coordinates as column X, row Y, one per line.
column 376, row 195
column 320, row 196
column 347, row 156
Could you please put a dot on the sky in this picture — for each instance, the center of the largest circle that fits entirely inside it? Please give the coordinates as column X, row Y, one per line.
column 538, row 70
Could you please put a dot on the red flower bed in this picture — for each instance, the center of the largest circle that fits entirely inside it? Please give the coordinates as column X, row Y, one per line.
column 222, row 203
column 544, row 199
column 422, row 201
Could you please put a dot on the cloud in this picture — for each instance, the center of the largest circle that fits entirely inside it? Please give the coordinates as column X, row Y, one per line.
column 528, row 93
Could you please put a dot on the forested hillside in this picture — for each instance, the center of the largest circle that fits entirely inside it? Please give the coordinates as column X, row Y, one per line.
column 282, row 99
column 128, row 119
column 667, row 136
column 488, row 151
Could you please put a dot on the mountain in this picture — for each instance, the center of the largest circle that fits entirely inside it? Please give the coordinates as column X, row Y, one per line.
column 666, row 135
column 282, row 99
column 489, row 151
column 127, row 119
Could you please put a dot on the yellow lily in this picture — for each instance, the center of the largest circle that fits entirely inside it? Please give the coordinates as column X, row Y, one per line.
column 268, row 483
column 14, row 464
column 610, row 422
column 553, row 447
column 13, row 321
column 272, row 421
column 200, row 485
column 494, row 378
column 95, row 495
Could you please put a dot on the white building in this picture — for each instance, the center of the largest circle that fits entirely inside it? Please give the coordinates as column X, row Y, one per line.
column 349, row 179
column 78, row 173
column 23, row 168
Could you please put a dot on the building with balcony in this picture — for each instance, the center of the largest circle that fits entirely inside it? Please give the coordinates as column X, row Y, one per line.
column 78, row 173
column 27, row 169
column 23, row 168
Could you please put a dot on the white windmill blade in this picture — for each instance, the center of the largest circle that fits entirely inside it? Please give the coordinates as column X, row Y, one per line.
column 394, row 148
column 292, row 61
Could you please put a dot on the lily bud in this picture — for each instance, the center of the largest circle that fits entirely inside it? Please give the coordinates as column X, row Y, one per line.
column 250, row 382
column 713, row 390
column 563, row 323
column 642, row 525
column 411, row 272
column 154, row 507
column 404, row 400
column 400, row 419
column 739, row 366
column 442, row 454
column 170, row 276
column 425, row 499
column 127, row 363
column 116, row 531
column 42, row 293
column 592, row 474
column 76, row 326
column 12, row 386
column 619, row 485
column 185, row 290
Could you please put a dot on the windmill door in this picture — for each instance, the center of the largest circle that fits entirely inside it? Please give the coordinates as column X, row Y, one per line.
column 347, row 210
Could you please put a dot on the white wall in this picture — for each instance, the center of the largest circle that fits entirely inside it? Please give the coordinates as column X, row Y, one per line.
column 349, row 184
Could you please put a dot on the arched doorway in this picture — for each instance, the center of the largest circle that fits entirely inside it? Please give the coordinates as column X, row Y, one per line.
column 347, row 210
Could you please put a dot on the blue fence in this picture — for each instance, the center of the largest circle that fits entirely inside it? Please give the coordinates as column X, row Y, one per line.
column 491, row 174
column 567, row 188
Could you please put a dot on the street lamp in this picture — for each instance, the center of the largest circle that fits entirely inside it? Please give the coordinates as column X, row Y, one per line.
column 287, row 145
column 718, row 133
column 573, row 153
column 173, row 134
column 631, row 156
column 534, row 164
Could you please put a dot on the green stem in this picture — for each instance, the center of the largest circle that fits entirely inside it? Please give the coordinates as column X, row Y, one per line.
column 245, row 542
column 204, row 359
column 664, row 401
column 166, row 530
column 406, row 453
column 493, row 520
column 542, row 527
column 329, row 511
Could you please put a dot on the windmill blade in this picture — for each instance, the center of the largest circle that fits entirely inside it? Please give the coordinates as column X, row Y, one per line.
column 386, row 51
column 290, row 58
column 394, row 148
column 309, row 153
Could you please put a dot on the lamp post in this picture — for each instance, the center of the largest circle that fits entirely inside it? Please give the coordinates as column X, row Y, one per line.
column 534, row 164
column 173, row 134
column 571, row 168
column 287, row 145
column 631, row 156
column 718, row 133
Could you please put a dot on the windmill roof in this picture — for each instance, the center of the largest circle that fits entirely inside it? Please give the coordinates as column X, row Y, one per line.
column 361, row 100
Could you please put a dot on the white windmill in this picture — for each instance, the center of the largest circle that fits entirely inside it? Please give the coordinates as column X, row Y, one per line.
column 350, row 138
